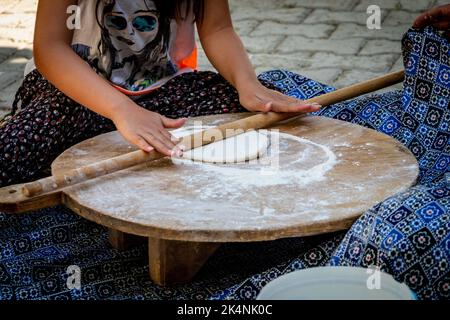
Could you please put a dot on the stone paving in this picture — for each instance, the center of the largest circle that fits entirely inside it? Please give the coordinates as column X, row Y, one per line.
column 327, row 40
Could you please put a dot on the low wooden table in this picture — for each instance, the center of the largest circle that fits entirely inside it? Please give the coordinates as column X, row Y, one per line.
column 186, row 210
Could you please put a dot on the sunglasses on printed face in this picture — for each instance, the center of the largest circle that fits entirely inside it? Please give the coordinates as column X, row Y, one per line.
column 142, row 23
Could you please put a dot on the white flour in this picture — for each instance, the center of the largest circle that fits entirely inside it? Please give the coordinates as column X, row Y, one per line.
column 280, row 166
column 297, row 183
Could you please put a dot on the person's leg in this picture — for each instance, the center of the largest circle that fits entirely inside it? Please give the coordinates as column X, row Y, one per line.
column 407, row 236
column 48, row 123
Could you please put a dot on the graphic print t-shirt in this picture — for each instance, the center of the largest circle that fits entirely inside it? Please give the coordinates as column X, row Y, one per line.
column 132, row 45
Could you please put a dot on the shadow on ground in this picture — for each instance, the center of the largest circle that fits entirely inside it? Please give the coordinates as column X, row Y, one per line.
column 12, row 65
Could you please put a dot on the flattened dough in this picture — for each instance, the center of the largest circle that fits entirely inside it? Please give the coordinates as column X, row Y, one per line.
column 247, row 146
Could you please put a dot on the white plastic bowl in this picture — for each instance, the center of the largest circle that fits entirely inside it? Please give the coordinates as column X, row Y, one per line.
column 336, row 283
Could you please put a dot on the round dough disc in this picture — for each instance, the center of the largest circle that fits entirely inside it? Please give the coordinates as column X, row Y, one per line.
column 240, row 148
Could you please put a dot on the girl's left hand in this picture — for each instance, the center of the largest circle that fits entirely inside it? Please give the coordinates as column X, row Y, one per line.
column 259, row 98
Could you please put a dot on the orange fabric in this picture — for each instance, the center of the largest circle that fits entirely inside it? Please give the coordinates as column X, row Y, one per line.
column 190, row 61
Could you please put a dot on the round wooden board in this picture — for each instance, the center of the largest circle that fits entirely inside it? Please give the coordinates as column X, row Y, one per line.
column 327, row 175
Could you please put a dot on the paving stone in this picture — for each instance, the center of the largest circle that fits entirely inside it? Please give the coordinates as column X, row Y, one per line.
column 337, row 17
column 9, row 21
column 327, row 4
column 18, row 20
column 20, row 6
column 9, row 77
column 350, row 77
column 295, row 15
column 8, row 5
column 274, row 4
column 8, row 94
column 310, row 31
column 380, row 62
column 292, row 62
column 297, row 43
column 323, row 75
column 440, row 3
column 406, row 5
column 6, row 52
column 12, row 43
column 24, row 52
column 3, row 111
column 399, row 18
column 244, row 27
column 265, row 44
column 17, row 35
column 352, row 30
column 267, row 4
column 381, row 46
column 14, row 63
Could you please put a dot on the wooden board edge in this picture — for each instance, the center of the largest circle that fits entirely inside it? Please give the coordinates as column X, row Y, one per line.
column 13, row 201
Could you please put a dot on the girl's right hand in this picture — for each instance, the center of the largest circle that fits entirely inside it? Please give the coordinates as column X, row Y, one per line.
column 147, row 129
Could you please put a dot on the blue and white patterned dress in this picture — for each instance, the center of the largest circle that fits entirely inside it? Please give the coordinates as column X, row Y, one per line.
column 408, row 235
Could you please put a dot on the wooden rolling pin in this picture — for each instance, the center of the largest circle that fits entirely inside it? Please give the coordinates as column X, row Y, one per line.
column 227, row 130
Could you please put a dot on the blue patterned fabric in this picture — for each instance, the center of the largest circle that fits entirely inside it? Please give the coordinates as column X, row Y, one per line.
column 419, row 117
column 406, row 235
column 37, row 248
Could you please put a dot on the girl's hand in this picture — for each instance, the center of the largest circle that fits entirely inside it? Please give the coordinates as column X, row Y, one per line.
column 259, row 98
column 147, row 130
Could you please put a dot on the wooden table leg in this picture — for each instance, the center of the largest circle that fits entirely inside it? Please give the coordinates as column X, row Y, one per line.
column 177, row 261
column 121, row 241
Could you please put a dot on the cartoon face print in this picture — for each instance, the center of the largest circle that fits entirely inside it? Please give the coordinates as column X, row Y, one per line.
column 132, row 24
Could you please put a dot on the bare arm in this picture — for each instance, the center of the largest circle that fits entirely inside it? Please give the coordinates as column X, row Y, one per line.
column 228, row 55
column 59, row 64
